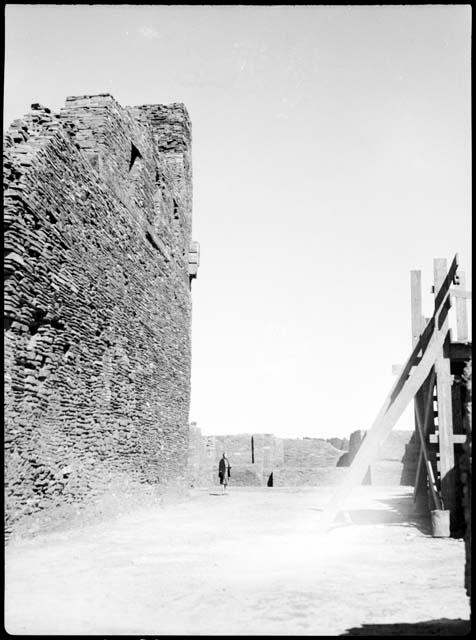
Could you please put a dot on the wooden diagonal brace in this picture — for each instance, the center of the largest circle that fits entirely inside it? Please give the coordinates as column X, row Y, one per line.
column 390, row 412
column 421, row 425
column 423, row 431
column 430, row 344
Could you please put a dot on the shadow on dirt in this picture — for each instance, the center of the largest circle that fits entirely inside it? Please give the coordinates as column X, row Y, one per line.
column 442, row 627
column 400, row 511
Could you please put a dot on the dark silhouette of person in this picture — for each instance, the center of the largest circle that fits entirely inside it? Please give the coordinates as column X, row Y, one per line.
column 224, row 471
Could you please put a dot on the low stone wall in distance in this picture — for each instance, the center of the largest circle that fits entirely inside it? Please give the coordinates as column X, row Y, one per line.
column 396, row 460
column 266, row 460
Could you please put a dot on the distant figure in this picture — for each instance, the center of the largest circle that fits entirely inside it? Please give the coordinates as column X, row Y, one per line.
column 224, row 471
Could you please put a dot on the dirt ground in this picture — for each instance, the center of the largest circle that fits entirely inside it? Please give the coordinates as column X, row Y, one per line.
column 252, row 562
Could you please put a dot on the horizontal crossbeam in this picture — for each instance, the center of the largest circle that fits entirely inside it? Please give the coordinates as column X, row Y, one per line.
column 457, row 438
column 457, row 293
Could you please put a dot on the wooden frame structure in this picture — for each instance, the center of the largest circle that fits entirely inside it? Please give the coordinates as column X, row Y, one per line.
column 428, row 369
column 438, row 403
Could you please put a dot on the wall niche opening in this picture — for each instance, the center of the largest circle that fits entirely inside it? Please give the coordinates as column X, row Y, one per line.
column 135, row 153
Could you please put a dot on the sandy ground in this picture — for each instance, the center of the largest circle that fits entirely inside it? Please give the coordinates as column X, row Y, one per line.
column 251, row 562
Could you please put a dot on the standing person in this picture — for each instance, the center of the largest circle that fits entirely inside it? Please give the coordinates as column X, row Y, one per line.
column 224, row 471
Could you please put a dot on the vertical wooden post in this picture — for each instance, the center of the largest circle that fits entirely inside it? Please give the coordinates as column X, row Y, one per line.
column 417, row 316
column 461, row 312
column 445, row 415
column 457, row 409
column 418, row 324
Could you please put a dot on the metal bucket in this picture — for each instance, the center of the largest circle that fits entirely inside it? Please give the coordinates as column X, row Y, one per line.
column 440, row 523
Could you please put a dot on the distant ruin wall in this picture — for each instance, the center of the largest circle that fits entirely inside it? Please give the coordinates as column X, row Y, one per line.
column 97, row 300
column 265, row 460
column 396, row 460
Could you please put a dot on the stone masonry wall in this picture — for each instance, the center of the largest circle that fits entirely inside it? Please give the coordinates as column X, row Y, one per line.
column 308, row 462
column 97, row 298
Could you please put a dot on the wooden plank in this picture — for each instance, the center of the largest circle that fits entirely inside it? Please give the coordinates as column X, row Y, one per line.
column 457, row 411
column 443, row 317
column 418, row 325
column 438, row 503
column 458, row 438
column 420, row 490
column 439, row 317
column 428, row 404
column 416, row 305
column 397, row 369
column 466, row 295
column 444, row 397
column 443, row 280
column 420, row 495
column 461, row 313
column 430, row 344
column 388, row 415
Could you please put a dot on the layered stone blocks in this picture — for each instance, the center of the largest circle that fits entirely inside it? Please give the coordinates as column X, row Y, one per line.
column 98, row 207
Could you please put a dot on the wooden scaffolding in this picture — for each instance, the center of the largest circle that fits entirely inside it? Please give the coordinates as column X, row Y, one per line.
column 439, row 403
column 429, row 378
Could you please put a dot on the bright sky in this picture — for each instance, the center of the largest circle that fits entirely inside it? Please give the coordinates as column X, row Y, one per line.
column 331, row 155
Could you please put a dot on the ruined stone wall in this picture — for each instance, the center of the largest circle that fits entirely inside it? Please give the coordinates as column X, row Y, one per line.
column 308, row 462
column 268, row 456
column 252, row 457
column 97, row 301
column 263, row 460
column 396, row 460
column 239, row 450
column 194, row 455
column 339, row 443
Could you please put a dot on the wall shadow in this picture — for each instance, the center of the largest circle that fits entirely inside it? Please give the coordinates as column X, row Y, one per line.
column 441, row 627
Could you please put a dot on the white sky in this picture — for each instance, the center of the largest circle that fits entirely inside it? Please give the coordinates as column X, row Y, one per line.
column 331, row 155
